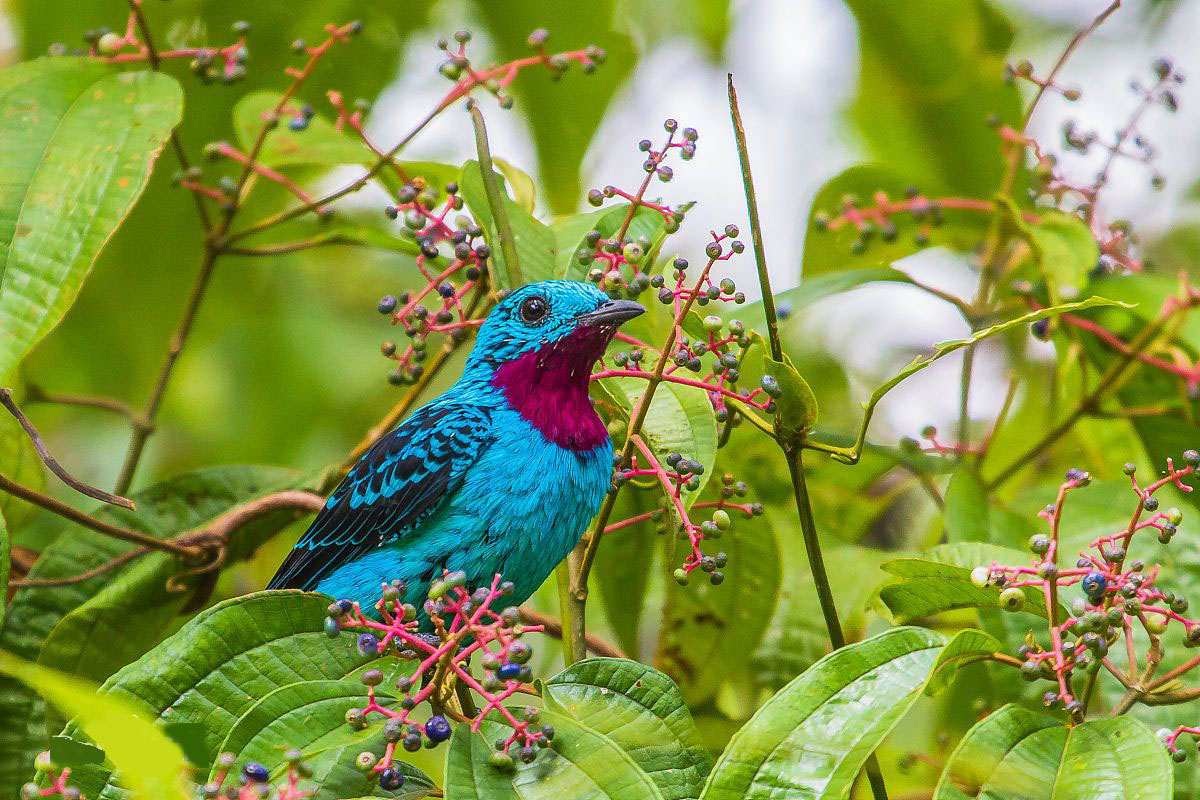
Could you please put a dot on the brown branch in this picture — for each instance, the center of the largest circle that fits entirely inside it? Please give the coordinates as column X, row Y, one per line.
column 552, row 626
column 88, row 521
column 6, row 399
column 46, row 583
column 35, row 394
column 211, row 538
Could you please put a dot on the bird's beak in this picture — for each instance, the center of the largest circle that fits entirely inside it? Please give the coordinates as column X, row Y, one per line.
column 612, row 313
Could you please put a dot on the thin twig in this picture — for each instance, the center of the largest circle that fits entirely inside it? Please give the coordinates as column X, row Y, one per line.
column 88, row 521
column 6, row 399
column 35, row 394
column 491, row 187
column 552, row 626
column 46, row 583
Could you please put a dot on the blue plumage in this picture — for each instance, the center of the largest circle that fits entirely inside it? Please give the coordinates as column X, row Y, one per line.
column 501, row 474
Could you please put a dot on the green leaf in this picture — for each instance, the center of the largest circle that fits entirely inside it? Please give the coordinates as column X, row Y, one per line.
column 19, row 462
column 1063, row 250
column 812, row 737
column 941, row 581
column 79, row 144
column 643, row 712
column 223, row 662
column 523, row 189
column 836, row 250
column 66, row 752
column 151, row 763
column 931, row 72
column 966, row 645
column 128, row 615
column 311, row 716
column 584, row 763
column 680, row 420
column 711, row 632
column 93, row 627
column 320, row 144
column 1014, row 754
column 812, row 288
column 564, row 115
column 797, row 407
column 966, row 507
column 534, row 241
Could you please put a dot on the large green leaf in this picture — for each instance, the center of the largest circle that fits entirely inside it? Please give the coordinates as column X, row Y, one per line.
column 562, row 130
column 583, row 765
column 534, row 241
column 812, row 737
column 1014, row 754
column 93, row 627
column 223, row 662
column 77, row 143
column 940, row 580
column 931, row 72
column 153, row 765
column 311, row 716
column 967, row 645
column 641, row 710
column 710, row 633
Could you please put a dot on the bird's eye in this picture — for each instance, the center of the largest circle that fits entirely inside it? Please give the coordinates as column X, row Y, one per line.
column 533, row 309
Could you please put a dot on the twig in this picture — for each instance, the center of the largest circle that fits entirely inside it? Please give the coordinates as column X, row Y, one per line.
column 46, row 583
column 552, row 626
column 512, row 266
column 88, row 521
column 34, row 394
column 6, row 399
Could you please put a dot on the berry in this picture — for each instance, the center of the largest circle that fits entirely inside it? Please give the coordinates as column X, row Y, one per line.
column 387, row 304
column 1012, row 599
column 391, row 779
column 980, row 577
column 437, row 728
column 368, row 645
column 255, row 772
column 502, row 761
column 1094, row 585
column 508, row 671
column 332, row 629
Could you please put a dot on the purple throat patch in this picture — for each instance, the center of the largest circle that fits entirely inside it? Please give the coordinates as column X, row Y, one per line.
column 549, row 388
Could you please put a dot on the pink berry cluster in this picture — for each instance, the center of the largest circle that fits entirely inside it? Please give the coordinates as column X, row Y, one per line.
column 1118, row 595
column 253, row 780
column 465, row 626
column 453, row 262
column 56, row 782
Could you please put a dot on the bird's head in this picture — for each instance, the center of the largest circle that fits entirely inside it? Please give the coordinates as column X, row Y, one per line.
column 537, row 347
column 560, row 320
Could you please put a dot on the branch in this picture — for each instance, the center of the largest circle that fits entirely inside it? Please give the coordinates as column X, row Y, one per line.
column 552, row 626
column 6, row 399
column 98, row 525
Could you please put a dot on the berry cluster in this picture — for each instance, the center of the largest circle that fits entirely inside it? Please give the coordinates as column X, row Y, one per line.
column 465, row 625
column 210, row 64
column 458, row 67
column 252, row 781
column 55, row 778
column 1116, row 596
column 678, row 475
column 454, row 274
column 617, row 261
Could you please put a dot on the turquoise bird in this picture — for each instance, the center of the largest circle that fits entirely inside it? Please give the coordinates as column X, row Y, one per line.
column 501, row 474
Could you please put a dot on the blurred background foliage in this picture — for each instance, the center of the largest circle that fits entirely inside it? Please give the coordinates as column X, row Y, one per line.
column 283, row 367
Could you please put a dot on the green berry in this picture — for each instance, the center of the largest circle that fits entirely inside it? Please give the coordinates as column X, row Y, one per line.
column 1012, row 599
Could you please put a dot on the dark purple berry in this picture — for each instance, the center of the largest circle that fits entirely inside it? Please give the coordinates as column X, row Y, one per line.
column 437, row 728
column 255, row 772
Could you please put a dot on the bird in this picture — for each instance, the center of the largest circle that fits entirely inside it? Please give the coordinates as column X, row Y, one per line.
column 500, row 475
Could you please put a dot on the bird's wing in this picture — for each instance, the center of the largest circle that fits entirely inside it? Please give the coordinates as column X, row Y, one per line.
column 399, row 482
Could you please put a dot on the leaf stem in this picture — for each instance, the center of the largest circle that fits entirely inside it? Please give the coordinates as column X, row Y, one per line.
column 512, row 265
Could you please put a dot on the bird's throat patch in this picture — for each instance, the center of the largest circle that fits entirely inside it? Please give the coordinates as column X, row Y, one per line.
column 549, row 388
